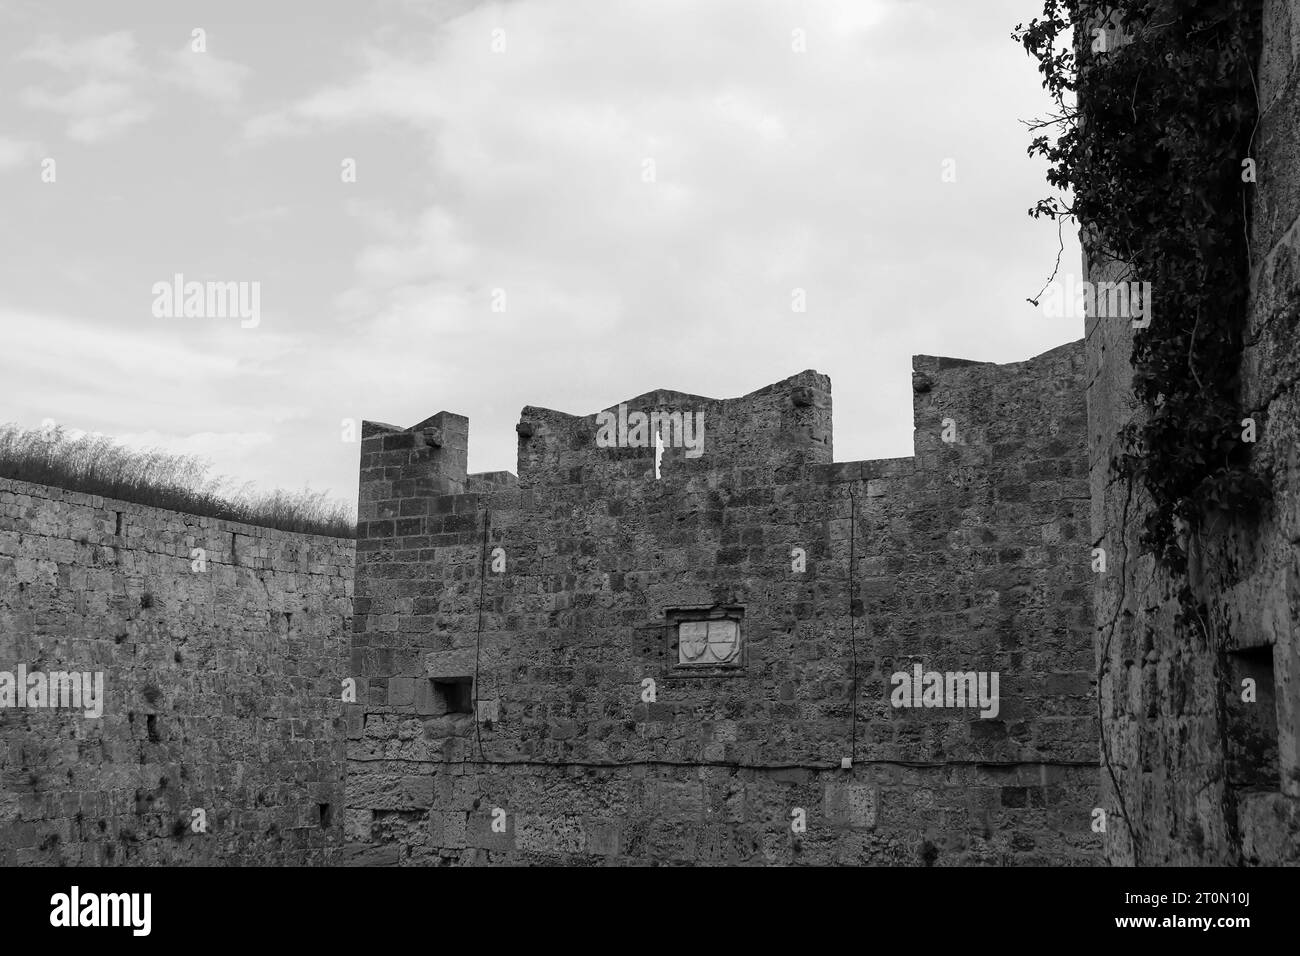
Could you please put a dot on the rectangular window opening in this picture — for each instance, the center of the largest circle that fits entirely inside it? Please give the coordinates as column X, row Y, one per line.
column 1252, row 720
column 455, row 695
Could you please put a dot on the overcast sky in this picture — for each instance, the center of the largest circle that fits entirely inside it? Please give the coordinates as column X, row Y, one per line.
column 648, row 183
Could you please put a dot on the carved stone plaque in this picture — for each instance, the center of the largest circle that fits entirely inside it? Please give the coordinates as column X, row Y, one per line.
column 708, row 643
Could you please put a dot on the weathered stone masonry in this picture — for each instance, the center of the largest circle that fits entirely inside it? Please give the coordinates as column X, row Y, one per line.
column 971, row 556
column 222, row 686
column 1205, row 778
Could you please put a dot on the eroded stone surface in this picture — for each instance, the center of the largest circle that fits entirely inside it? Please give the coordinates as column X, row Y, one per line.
column 222, row 686
column 1169, row 688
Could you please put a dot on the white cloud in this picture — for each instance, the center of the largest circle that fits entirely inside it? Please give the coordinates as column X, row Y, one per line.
column 16, row 152
column 104, row 102
column 206, row 75
column 116, row 87
column 432, row 245
column 95, row 110
column 113, row 54
column 265, row 127
column 55, row 348
column 259, row 217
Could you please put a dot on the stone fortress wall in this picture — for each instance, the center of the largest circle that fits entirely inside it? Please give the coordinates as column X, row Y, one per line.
column 522, row 694
column 221, row 685
column 1205, row 778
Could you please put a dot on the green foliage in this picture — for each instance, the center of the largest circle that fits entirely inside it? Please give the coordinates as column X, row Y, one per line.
column 96, row 465
column 1149, row 143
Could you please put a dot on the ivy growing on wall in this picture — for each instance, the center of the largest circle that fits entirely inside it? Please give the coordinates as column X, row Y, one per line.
column 1151, row 152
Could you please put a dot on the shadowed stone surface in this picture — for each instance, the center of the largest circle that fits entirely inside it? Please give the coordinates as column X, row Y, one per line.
column 1205, row 778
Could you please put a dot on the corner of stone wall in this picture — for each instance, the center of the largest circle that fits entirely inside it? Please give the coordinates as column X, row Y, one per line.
column 409, row 463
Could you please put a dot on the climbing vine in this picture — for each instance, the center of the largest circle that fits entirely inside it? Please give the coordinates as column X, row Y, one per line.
column 1151, row 152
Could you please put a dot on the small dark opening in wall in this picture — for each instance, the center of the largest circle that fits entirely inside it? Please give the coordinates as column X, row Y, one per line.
column 325, row 815
column 455, row 695
column 118, row 530
column 1252, row 723
column 234, row 555
column 151, row 727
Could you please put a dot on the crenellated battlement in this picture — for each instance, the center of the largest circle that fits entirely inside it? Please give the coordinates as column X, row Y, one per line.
column 785, row 427
column 764, row 591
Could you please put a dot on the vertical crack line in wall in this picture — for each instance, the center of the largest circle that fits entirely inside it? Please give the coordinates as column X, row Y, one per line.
column 478, row 638
column 853, row 628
